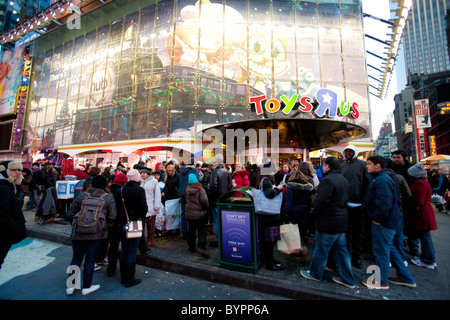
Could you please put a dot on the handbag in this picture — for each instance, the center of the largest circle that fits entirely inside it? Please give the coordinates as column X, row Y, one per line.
column 133, row 229
column 290, row 242
column 264, row 205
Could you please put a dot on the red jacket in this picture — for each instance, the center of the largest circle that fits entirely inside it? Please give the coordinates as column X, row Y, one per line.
column 419, row 214
column 241, row 178
column 81, row 175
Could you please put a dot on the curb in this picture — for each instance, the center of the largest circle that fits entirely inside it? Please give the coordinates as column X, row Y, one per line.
column 213, row 274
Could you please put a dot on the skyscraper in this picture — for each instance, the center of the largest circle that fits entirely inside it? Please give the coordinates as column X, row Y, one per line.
column 425, row 38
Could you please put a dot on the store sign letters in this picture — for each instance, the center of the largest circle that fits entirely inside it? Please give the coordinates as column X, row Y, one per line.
column 327, row 101
column 22, row 100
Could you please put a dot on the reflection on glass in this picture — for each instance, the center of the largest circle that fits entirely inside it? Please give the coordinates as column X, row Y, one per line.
column 140, row 74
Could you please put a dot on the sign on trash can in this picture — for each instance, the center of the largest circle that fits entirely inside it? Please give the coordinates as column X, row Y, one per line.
column 238, row 241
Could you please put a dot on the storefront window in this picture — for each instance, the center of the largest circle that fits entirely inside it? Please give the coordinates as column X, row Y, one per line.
column 132, row 77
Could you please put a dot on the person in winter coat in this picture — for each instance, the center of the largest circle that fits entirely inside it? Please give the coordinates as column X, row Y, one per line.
column 254, row 169
column 283, row 174
column 183, row 178
column 404, row 196
column 153, row 197
column 330, row 211
column 28, row 187
column 382, row 208
column 420, row 218
column 87, row 245
column 12, row 220
column 297, row 201
column 113, row 232
column 219, row 184
column 171, row 186
column 355, row 171
column 240, row 177
column 206, row 181
column 196, row 206
column 132, row 197
column 401, row 163
column 269, row 225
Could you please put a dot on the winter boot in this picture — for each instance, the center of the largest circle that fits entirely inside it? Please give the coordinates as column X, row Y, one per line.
column 130, row 279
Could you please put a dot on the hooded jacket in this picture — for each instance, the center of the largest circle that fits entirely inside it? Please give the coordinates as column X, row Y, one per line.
column 330, row 205
column 355, row 171
column 297, row 200
column 241, row 178
column 152, row 195
column 183, row 178
column 381, row 200
column 196, row 202
column 12, row 220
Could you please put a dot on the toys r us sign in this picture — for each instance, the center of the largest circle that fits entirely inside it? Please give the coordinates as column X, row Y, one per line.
column 327, row 100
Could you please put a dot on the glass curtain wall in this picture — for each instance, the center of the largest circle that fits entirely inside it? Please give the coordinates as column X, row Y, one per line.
column 149, row 70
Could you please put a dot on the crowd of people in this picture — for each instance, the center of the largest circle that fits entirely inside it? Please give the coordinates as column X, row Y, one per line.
column 350, row 207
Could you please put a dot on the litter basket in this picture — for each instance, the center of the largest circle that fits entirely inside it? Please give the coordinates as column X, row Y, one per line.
column 238, row 238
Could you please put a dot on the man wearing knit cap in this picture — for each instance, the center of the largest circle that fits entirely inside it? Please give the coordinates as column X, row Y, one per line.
column 12, row 220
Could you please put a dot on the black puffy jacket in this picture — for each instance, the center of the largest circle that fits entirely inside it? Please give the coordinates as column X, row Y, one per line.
column 135, row 202
column 330, row 205
column 12, row 220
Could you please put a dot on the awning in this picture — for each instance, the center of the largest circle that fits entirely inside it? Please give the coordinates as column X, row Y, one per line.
column 129, row 146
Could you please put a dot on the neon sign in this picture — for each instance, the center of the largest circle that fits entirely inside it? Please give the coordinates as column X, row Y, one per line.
column 22, row 101
column 327, row 104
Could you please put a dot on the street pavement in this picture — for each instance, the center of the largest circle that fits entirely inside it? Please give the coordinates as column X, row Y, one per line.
column 170, row 253
column 44, row 277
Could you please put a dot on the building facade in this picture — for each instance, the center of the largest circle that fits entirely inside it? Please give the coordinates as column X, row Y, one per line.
column 139, row 73
column 425, row 37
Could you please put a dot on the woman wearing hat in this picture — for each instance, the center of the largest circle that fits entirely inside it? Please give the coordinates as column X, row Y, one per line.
column 87, row 245
column 132, row 197
column 153, row 197
column 196, row 206
column 420, row 218
column 269, row 225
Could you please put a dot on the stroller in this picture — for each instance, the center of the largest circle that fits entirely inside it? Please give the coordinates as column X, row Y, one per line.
column 46, row 211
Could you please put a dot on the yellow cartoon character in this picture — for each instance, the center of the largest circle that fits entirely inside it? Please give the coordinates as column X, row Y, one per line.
column 264, row 61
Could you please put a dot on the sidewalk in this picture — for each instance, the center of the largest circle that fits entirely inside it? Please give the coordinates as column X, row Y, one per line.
column 171, row 253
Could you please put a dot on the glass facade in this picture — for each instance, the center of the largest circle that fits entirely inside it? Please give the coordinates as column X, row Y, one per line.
column 146, row 69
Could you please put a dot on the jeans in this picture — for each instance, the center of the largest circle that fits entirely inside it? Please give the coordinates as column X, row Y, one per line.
column 337, row 242
column 215, row 215
column 399, row 237
column 355, row 235
column 427, row 253
column 129, row 247
column 384, row 251
column 197, row 226
column 184, row 222
column 87, row 249
column 32, row 196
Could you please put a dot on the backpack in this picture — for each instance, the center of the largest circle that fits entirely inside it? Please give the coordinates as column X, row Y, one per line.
column 91, row 218
column 393, row 176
